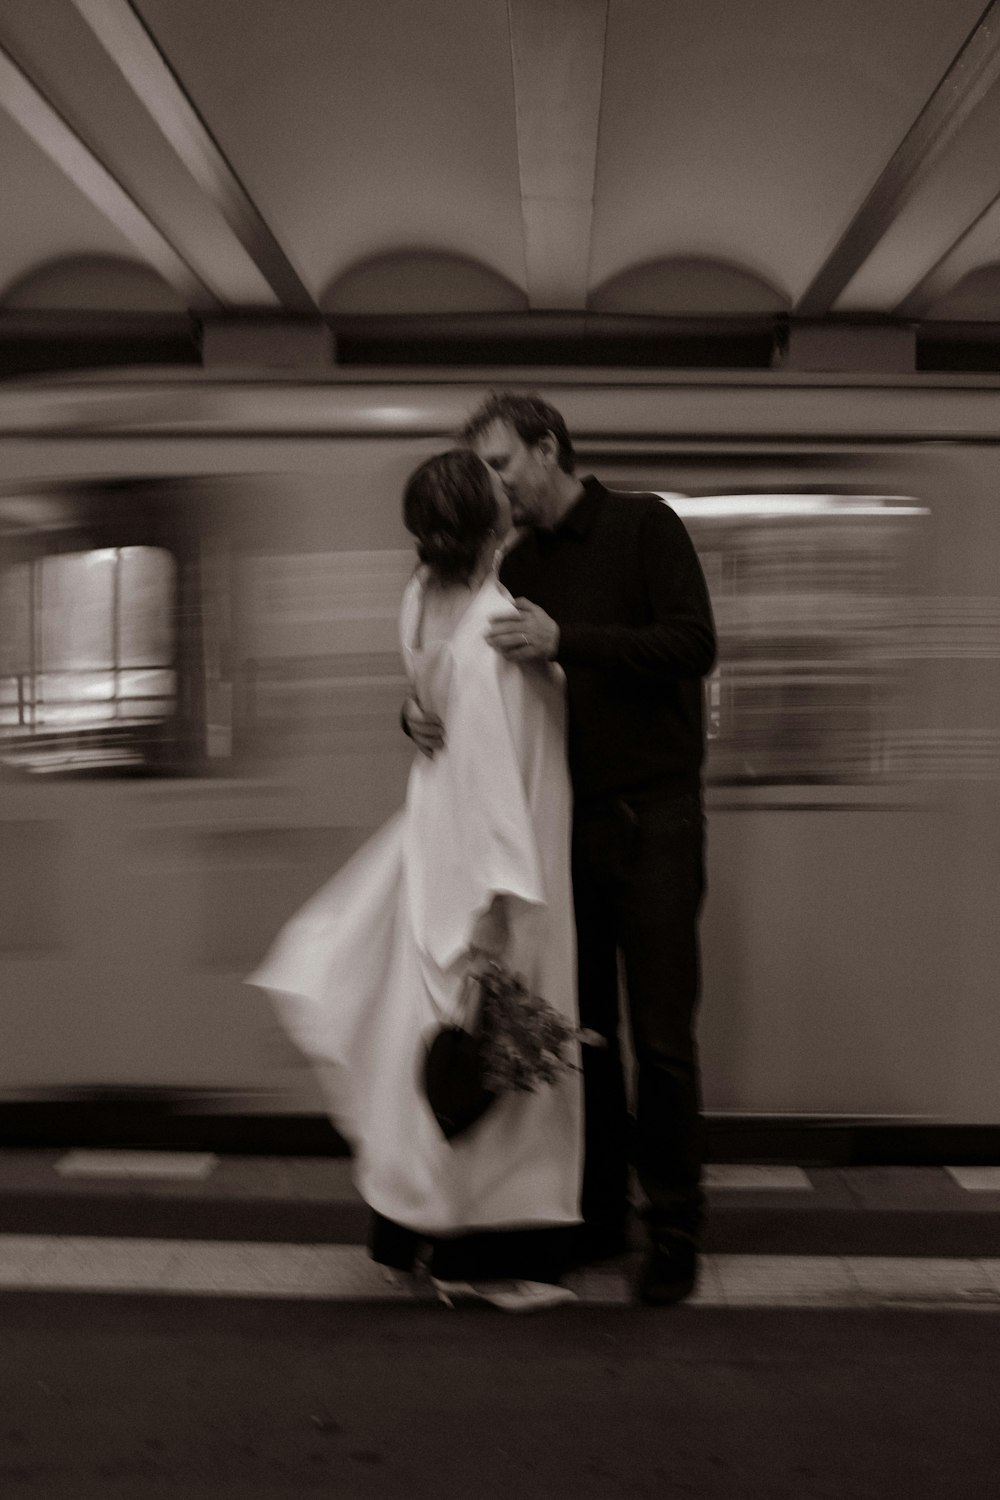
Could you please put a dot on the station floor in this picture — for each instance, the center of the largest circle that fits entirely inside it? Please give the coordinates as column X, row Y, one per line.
column 192, row 1325
column 271, row 1226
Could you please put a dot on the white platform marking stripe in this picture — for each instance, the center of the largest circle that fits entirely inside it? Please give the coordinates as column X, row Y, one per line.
column 782, row 1280
column 337, row 1173
column 933, row 1280
column 186, row 1164
column 345, row 1273
column 976, row 1179
column 750, row 1177
column 217, row 1267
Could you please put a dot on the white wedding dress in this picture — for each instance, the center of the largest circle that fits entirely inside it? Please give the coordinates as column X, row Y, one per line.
column 365, row 972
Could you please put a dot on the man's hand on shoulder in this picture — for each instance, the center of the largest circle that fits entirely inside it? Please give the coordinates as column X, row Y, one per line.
column 527, row 635
column 425, row 730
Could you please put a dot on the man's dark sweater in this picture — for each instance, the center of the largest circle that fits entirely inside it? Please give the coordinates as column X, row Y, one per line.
column 621, row 579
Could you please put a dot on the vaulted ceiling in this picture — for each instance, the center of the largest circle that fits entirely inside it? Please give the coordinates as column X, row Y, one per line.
column 658, row 159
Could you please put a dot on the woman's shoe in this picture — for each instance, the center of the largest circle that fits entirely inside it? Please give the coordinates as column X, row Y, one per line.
column 509, row 1296
column 414, row 1282
column 450, row 1292
column 527, row 1296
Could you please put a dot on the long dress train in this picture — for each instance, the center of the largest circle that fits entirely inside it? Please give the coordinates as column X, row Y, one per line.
column 365, row 972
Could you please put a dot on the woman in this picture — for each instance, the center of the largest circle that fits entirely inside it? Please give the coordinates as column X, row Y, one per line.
column 475, row 867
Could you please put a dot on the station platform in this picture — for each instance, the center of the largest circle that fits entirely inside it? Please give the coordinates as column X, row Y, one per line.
column 202, row 1223
column 185, row 1323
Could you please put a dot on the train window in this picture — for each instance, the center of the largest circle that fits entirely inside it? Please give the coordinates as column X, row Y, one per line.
column 808, row 593
column 88, row 672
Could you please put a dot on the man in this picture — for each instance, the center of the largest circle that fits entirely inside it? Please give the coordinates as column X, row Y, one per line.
column 610, row 587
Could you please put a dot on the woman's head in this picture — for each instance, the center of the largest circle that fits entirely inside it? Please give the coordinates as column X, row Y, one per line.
column 454, row 506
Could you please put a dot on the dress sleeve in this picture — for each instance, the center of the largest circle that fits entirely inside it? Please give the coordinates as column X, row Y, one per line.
column 409, row 613
column 471, row 835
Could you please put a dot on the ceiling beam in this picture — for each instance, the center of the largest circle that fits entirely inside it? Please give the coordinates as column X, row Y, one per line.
column 33, row 113
column 557, row 54
column 134, row 51
column 978, row 246
column 960, row 92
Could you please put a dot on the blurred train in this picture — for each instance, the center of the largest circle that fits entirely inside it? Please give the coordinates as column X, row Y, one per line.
column 199, row 695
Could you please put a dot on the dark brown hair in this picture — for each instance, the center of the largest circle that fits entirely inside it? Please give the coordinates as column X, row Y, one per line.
column 450, row 507
column 530, row 417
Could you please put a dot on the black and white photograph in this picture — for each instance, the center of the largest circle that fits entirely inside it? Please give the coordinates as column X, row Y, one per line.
column 499, row 749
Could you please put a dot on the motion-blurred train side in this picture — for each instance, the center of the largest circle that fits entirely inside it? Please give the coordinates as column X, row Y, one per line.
column 199, row 694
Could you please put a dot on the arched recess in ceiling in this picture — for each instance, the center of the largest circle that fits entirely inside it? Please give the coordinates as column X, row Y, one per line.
column 421, row 282
column 976, row 298
column 91, row 283
column 687, row 287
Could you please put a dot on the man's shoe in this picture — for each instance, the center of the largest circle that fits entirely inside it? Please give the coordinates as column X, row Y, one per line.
column 670, row 1271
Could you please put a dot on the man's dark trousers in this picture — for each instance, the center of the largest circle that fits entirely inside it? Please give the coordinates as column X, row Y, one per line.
column 638, row 883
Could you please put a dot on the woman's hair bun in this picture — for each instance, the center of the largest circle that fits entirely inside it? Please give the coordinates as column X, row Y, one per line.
column 450, row 557
column 451, row 510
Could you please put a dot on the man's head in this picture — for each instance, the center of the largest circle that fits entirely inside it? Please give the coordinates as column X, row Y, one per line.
column 524, row 440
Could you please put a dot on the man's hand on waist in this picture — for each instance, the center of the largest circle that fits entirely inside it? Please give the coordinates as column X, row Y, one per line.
column 425, row 730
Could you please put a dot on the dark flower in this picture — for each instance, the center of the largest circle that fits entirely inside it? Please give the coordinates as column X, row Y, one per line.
column 523, row 1040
